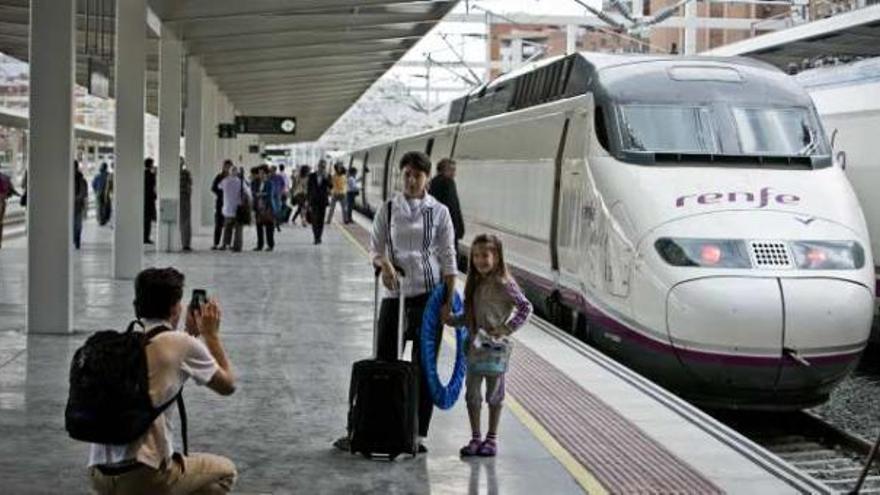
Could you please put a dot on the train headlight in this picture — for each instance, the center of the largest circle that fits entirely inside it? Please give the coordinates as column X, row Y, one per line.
column 709, row 253
column 828, row 255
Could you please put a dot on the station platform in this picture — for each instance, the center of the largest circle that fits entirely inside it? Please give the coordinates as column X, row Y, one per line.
column 293, row 322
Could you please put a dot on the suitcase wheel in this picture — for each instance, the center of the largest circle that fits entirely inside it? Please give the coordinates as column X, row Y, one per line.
column 393, row 456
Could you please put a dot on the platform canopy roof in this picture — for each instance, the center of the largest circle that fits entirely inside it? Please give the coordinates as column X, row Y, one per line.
column 854, row 33
column 311, row 59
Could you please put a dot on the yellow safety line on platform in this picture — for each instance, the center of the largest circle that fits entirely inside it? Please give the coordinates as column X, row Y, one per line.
column 577, row 470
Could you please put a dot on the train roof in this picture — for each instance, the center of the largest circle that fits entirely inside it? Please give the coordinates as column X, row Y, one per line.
column 621, row 77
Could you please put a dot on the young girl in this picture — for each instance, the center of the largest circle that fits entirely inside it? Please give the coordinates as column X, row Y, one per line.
column 495, row 307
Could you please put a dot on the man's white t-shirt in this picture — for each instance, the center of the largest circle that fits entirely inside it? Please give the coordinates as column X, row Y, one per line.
column 172, row 358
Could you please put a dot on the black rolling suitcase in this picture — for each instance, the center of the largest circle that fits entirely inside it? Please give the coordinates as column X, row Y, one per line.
column 383, row 399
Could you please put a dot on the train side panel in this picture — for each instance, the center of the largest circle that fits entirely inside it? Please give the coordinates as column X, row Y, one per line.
column 506, row 167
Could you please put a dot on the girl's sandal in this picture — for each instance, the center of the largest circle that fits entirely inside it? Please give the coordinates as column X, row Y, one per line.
column 487, row 449
column 471, row 448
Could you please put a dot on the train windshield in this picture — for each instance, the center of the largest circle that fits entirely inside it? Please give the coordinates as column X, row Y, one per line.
column 667, row 129
column 720, row 130
column 777, row 131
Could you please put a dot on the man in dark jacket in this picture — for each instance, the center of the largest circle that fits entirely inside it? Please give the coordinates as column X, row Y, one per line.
column 80, row 202
column 318, row 197
column 442, row 187
column 185, row 207
column 218, row 203
column 149, row 199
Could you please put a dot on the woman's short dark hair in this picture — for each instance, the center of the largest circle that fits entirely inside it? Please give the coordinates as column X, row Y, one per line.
column 156, row 292
column 417, row 160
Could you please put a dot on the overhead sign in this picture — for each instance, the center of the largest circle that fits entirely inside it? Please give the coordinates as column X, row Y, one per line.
column 245, row 124
column 226, row 131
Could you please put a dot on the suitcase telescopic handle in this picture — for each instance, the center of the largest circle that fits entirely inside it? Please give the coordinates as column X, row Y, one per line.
column 400, row 312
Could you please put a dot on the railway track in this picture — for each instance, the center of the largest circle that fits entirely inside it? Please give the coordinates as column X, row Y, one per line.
column 810, row 444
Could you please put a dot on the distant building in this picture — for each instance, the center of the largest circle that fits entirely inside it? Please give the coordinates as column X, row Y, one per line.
column 672, row 39
column 512, row 44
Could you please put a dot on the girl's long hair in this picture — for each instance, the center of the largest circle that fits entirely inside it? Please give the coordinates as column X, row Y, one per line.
column 474, row 279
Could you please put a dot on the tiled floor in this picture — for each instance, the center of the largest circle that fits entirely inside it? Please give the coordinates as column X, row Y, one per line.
column 293, row 322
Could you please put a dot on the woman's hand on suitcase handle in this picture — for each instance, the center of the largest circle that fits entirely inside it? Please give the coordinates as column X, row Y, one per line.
column 389, row 276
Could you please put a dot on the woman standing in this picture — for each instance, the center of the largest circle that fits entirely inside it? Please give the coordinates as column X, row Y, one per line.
column 262, row 190
column 419, row 240
column 338, row 191
column 298, row 197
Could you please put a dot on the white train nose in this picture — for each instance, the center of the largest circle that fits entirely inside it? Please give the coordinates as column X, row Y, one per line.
column 720, row 324
column 827, row 323
column 784, row 333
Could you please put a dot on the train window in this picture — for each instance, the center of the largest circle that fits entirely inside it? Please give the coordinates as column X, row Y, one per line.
column 778, row 131
column 600, row 128
column 429, row 147
column 563, row 69
column 667, row 128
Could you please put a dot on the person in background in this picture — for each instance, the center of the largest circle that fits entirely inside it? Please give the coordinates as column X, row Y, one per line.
column 219, row 219
column 285, row 193
column 80, row 203
column 149, row 199
column 277, row 194
column 338, row 190
column 299, row 190
column 318, row 193
column 7, row 190
column 185, row 207
column 443, row 188
column 353, row 191
column 235, row 194
column 100, row 186
column 262, row 190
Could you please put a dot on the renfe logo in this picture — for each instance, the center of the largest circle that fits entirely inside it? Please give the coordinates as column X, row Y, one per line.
column 765, row 197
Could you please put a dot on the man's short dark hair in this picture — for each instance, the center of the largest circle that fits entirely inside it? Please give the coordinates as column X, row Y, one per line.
column 443, row 164
column 417, row 160
column 156, row 291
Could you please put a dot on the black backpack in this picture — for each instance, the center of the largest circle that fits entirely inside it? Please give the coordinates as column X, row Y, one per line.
column 109, row 398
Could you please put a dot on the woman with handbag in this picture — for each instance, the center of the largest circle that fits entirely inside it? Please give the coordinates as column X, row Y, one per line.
column 236, row 209
column 263, row 190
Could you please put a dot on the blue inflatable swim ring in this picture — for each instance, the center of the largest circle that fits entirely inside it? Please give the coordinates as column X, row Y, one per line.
column 444, row 396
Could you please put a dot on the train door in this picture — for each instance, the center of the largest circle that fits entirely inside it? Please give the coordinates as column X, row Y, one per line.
column 618, row 252
column 572, row 192
column 593, row 217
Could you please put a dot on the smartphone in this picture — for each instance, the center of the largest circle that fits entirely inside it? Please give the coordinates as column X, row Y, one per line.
column 199, row 298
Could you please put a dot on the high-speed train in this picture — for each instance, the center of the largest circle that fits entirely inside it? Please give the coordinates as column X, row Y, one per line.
column 686, row 212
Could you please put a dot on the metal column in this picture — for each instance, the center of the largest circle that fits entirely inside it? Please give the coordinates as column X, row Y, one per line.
column 50, row 166
column 210, row 165
column 128, row 196
column 195, row 161
column 170, row 68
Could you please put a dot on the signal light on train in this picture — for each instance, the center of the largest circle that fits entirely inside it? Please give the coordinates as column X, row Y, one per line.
column 710, row 253
column 816, row 257
column 828, row 255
